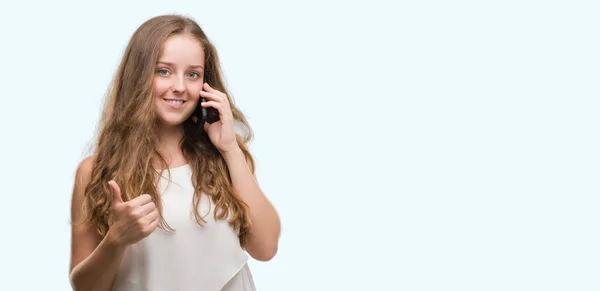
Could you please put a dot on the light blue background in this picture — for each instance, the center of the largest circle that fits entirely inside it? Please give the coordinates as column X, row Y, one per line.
column 408, row 145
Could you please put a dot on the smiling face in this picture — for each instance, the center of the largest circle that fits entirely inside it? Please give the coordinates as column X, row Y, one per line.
column 178, row 79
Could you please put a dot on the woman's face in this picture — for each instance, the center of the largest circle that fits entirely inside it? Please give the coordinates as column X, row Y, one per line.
column 178, row 79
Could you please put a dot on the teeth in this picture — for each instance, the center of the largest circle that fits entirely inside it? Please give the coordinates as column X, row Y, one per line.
column 176, row 102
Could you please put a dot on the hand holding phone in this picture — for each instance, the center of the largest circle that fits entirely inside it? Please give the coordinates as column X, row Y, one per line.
column 208, row 114
column 205, row 114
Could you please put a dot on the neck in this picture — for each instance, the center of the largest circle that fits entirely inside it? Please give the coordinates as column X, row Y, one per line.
column 169, row 139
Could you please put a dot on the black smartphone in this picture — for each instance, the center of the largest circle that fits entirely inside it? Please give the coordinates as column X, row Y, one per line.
column 206, row 114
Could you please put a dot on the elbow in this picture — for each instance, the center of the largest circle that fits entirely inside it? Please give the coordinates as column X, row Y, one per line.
column 263, row 246
column 72, row 280
column 265, row 253
column 265, row 256
column 75, row 282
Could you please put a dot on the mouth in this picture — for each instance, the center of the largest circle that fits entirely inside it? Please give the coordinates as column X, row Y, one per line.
column 174, row 103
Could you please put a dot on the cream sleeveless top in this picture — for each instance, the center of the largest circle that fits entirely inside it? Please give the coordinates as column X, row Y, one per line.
column 192, row 257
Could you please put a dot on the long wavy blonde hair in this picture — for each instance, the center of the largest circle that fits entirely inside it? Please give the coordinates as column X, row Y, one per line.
column 126, row 145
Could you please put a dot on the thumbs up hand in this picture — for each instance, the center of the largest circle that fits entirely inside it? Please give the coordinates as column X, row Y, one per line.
column 133, row 220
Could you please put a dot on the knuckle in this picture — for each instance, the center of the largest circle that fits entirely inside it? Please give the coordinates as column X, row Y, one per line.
column 140, row 224
column 148, row 230
column 132, row 214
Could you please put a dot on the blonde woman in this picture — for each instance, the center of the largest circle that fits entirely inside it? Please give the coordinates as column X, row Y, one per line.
column 168, row 200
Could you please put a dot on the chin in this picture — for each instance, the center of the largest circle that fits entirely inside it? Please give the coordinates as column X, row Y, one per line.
column 172, row 120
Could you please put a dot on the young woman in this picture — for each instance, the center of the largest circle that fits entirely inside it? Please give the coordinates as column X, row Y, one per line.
column 168, row 200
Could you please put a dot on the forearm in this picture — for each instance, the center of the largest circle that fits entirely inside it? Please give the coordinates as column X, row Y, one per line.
column 264, row 234
column 98, row 270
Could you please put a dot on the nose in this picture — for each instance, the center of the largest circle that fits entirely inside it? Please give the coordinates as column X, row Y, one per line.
column 178, row 84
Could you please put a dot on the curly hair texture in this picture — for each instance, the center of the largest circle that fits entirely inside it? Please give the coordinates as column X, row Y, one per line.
column 126, row 146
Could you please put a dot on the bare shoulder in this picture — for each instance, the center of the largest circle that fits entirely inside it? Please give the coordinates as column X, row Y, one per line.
column 84, row 171
column 83, row 237
column 83, row 176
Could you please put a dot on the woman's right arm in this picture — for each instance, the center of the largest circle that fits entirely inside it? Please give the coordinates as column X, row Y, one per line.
column 94, row 260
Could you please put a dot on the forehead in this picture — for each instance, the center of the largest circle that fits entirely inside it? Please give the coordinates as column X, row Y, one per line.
column 182, row 50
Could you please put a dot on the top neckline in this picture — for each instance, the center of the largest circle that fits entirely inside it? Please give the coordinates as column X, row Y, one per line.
column 175, row 168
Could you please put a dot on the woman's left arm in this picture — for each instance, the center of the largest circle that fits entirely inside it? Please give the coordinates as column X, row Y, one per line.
column 264, row 233
column 263, row 238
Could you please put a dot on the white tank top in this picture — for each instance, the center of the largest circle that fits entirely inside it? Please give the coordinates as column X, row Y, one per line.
column 193, row 257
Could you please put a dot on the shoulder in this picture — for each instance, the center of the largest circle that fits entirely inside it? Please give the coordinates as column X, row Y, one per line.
column 84, row 171
column 83, row 176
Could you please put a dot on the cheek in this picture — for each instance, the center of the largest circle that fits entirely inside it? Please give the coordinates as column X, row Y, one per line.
column 159, row 86
column 194, row 91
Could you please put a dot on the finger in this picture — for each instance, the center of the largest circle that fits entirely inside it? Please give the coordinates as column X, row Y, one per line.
column 225, row 114
column 154, row 223
column 144, row 210
column 214, row 104
column 140, row 200
column 117, row 198
column 212, row 96
column 149, row 228
column 152, row 216
column 224, row 111
column 210, row 89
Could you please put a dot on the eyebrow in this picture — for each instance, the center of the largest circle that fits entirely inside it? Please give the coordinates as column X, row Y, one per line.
column 172, row 65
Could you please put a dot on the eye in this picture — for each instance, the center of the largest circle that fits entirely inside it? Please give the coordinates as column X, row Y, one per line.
column 194, row 75
column 162, row 72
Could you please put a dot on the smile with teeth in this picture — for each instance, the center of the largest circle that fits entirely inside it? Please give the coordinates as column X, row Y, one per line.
column 174, row 102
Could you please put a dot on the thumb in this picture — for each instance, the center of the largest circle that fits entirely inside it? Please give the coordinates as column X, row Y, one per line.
column 117, row 199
